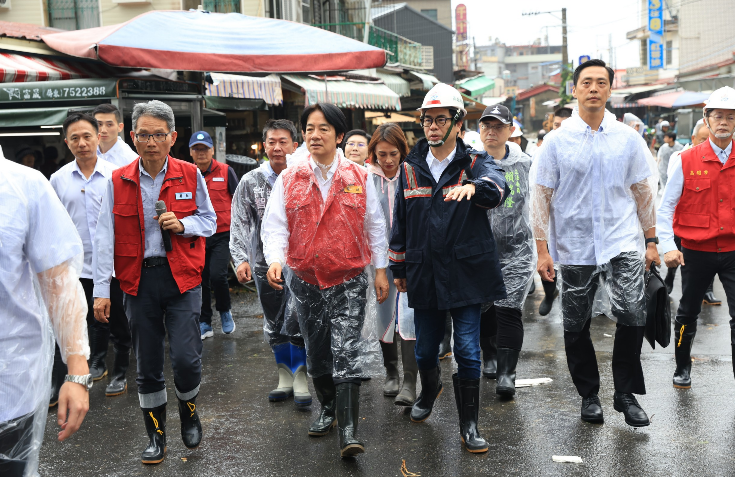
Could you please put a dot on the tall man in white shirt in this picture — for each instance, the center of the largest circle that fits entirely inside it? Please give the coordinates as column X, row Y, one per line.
column 324, row 221
column 697, row 206
column 112, row 147
column 39, row 246
column 81, row 185
column 592, row 185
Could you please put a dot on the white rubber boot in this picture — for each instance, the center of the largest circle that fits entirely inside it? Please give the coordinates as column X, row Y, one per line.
column 285, row 385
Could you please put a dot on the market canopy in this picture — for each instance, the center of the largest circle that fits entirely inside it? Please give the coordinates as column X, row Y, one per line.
column 231, row 42
column 21, row 68
column 476, row 86
column 677, row 99
column 346, row 93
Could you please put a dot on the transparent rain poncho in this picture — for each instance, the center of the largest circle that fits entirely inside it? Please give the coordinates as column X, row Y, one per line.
column 331, row 281
column 592, row 198
column 511, row 226
column 41, row 298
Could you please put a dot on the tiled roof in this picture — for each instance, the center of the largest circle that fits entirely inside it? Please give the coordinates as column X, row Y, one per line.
column 24, row 31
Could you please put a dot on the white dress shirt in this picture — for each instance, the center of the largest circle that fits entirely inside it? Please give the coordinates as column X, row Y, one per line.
column 82, row 198
column 436, row 166
column 275, row 233
column 36, row 234
column 594, row 216
column 672, row 194
column 120, row 154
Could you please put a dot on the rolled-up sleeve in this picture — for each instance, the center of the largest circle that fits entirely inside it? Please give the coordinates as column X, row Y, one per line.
column 274, row 229
column 203, row 222
column 375, row 227
column 103, row 249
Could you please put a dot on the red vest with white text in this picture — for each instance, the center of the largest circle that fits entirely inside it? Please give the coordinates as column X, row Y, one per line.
column 327, row 243
column 219, row 194
column 704, row 217
column 186, row 259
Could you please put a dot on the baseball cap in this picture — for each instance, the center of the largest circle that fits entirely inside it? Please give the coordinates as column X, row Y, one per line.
column 498, row 112
column 201, row 137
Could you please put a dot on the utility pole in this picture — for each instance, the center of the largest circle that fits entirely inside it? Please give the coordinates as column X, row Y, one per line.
column 611, row 62
column 564, row 54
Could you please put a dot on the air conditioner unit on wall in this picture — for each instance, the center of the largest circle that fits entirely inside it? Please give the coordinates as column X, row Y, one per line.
column 5, row 4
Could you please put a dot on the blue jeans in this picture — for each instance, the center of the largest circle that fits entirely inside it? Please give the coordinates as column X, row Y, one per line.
column 430, row 332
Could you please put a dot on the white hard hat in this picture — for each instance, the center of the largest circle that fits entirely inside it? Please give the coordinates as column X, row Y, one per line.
column 723, row 98
column 443, row 96
column 517, row 132
column 472, row 139
column 665, row 123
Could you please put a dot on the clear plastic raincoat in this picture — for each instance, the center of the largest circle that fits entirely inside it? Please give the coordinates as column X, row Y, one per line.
column 593, row 196
column 41, row 257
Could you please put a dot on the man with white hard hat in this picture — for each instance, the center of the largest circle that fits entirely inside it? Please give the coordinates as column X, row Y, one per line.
column 444, row 193
column 697, row 207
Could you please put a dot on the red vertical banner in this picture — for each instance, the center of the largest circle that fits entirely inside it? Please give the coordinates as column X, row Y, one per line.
column 460, row 15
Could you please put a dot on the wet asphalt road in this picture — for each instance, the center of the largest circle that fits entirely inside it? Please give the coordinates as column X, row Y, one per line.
column 692, row 431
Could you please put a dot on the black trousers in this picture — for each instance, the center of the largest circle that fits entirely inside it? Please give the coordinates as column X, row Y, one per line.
column 214, row 275
column 505, row 323
column 274, row 303
column 158, row 309
column 118, row 328
column 698, row 272
column 16, row 445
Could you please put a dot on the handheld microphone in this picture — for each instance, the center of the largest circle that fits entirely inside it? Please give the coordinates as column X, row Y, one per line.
column 161, row 209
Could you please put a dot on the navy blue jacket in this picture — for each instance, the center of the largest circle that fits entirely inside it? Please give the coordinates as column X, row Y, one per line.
column 446, row 250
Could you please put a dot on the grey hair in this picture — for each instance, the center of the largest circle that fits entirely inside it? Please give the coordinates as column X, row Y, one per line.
column 285, row 124
column 697, row 127
column 154, row 109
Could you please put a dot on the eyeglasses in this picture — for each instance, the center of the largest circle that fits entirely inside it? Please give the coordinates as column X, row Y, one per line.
column 496, row 129
column 356, row 144
column 719, row 117
column 157, row 137
column 440, row 121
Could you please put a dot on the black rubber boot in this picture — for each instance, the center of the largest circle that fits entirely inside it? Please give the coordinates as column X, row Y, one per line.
column 683, row 339
column 58, row 374
column 348, row 410
column 407, row 396
column 445, row 347
column 551, row 292
column 489, row 356
column 532, row 289
column 669, row 280
column 709, row 297
column 191, row 427
column 390, row 361
column 326, row 394
column 506, row 380
column 155, row 426
column 467, row 396
column 431, row 388
column 98, row 342
column 118, row 384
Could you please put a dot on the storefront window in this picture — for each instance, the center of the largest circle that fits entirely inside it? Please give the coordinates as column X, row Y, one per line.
column 74, row 14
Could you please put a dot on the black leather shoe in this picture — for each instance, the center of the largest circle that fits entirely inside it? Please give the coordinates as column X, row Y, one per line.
column 634, row 414
column 445, row 347
column 98, row 342
column 191, row 427
column 467, row 396
column 118, row 384
column 489, row 356
column 683, row 339
column 326, row 394
column 155, row 426
column 431, row 389
column 348, row 409
column 592, row 409
column 711, row 299
column 551, row 291
column 506, row 378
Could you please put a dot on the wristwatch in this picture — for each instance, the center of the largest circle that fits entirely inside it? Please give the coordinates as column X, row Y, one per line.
column 85, row 380
column 652, row 240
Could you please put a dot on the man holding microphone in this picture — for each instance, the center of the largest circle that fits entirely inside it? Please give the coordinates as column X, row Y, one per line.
column 158, row 258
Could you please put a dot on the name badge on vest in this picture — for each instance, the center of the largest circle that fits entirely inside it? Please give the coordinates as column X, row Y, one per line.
column 353, row 189
column 183, row 195
column 218, row 179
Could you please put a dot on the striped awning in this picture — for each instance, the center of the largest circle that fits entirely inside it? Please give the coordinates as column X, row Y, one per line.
column 625, row 105
column 346, row 93
column 246, row 87
column 21, row 68
column 399, row 85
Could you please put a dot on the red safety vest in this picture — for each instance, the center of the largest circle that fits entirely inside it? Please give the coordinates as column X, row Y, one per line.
column 219, row 194
column 327, row 243
column 704, row 217
column 187, row 257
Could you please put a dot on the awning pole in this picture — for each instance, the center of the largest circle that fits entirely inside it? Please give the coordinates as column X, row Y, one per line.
column 326, row 89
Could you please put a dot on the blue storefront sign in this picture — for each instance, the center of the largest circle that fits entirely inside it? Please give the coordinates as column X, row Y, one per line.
column 656, row 34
